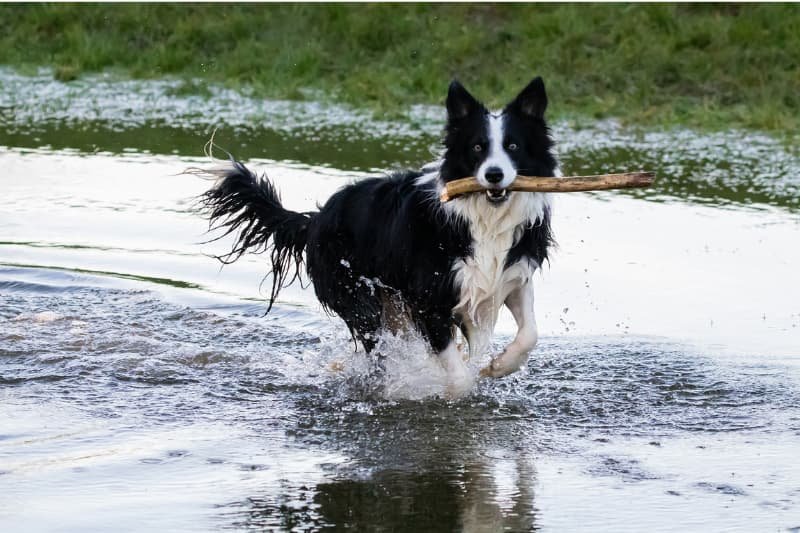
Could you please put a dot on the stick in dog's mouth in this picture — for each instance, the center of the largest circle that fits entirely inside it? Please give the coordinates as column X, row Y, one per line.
column 601, row 182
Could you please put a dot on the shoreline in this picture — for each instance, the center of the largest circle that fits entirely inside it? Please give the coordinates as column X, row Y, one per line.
column 707, row 67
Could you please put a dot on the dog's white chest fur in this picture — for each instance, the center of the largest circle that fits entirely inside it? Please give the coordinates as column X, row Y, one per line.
column 482, row 278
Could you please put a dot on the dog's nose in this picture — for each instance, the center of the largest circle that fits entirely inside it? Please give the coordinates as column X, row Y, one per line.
column 494, row 175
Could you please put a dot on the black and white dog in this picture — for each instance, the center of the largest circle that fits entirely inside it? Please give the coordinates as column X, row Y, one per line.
column 384, row 253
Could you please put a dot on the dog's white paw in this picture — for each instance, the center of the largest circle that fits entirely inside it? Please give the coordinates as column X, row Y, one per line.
column 503, row 365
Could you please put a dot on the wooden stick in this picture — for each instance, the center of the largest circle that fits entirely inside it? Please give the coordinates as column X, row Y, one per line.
column 571, row 184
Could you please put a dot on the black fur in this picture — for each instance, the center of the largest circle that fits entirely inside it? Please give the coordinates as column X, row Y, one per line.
column 387, row 242
column 249, row 206
column 534, row 243
column 384, row 239
column 526, row 127
column 465, row 128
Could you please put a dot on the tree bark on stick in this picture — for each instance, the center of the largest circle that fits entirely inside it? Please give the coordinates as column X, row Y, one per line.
column 602, row 182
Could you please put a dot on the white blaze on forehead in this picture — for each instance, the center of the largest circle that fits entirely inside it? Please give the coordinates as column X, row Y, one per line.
column 497, row 156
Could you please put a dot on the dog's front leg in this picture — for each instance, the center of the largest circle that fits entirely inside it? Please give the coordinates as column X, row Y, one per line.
column 520, row 303
column 459, row 378
column 436, row 325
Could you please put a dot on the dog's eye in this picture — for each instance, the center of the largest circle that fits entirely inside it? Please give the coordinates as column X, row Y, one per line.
column 477, row 148
column 512, row 147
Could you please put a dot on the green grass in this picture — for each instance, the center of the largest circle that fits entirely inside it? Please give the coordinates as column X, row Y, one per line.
column 708, row 66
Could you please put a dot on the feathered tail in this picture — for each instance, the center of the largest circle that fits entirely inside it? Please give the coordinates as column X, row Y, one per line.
column 250, row 207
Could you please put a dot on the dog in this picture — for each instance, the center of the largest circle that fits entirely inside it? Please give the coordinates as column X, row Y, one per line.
column 384, row 253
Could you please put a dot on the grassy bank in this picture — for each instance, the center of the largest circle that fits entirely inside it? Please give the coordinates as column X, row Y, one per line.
column 704, row 65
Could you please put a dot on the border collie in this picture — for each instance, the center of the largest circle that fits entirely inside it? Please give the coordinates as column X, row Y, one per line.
column 385, row 254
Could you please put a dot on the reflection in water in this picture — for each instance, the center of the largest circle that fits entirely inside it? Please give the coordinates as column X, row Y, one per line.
column 432, row 466
column 343, row 147
column 717, row 169
column 473, row 497
column 134, row 383
column 100, row 114
column 435, row 465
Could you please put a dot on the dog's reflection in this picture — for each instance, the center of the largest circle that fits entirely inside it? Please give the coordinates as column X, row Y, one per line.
column 484, row 494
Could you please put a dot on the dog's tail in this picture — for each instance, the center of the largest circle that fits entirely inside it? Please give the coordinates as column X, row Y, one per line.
column 249, row 207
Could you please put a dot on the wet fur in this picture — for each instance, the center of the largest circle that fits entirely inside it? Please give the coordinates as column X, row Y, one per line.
column 386, row 247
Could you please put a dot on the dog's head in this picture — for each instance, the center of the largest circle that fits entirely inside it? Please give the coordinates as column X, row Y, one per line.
column 496, row 147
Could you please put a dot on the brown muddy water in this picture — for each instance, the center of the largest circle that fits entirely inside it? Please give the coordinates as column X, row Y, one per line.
column 142, row 387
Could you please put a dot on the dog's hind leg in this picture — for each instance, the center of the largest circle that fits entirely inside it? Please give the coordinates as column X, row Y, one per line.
column 364, row 324
column 395, row 316
column 359, row 307
column 520, row 303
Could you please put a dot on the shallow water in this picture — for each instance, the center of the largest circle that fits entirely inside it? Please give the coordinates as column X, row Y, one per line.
column 142, row 387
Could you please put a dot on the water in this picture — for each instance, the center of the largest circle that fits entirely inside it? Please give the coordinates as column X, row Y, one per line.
column 142, row 387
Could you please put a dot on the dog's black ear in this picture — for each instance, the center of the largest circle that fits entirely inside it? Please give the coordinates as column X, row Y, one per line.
column 459, row 102
column 532, row 101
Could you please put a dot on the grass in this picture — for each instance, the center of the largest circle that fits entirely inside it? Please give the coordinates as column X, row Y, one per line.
column 707, row 66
